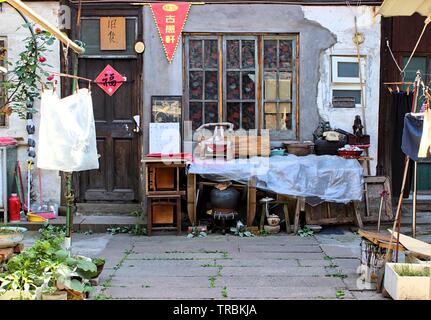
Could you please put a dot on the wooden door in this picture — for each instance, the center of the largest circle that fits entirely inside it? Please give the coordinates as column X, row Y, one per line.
column 117, row 143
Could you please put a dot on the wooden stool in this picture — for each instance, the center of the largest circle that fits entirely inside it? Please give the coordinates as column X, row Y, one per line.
column 165, row 202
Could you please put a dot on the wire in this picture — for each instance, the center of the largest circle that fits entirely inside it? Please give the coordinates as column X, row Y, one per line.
column 403, row 71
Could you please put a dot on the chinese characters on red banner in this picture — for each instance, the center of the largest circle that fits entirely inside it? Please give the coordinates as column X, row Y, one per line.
column 170, row 19
column 109, row 80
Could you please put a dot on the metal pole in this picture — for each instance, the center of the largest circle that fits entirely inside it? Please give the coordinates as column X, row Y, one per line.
column 414, row 199
column 69, row 216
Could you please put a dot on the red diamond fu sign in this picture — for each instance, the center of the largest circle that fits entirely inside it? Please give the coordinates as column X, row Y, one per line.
column 109, row 80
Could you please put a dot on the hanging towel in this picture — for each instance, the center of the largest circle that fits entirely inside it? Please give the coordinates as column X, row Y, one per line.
column 412, row 134
column 67, row 135
column 426, row 135
column 401, row 104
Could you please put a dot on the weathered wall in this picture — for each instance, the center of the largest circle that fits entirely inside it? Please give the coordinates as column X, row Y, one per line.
column 343, row 28
column 324, row 31
column 10, row 21
column 240, row 18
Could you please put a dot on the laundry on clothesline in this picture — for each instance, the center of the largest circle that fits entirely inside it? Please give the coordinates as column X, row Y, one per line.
column 426, row 135
column 416, row 139
column 412, row 134
column 67, row 135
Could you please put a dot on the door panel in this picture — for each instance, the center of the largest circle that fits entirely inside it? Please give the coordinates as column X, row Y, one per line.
column 117, row 177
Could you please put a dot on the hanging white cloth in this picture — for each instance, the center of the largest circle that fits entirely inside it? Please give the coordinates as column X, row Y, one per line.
column 67, row 135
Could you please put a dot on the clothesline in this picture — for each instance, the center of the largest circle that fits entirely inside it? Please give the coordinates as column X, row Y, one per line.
column 80, row 78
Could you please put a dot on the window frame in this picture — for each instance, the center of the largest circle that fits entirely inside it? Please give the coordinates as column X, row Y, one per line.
column 276, row 135
column 3, row 43
column 347, row 59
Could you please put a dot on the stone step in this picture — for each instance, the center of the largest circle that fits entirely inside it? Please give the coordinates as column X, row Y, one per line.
column 105, row 209
column 87, row 223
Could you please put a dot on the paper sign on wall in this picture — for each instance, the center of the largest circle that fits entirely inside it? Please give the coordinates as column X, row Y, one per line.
column 112, row 33
column 165, row 138
column 170, row 19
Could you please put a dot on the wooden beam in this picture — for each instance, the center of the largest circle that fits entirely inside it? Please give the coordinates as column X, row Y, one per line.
column 23, row 8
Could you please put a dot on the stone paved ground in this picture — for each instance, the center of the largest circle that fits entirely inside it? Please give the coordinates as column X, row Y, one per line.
column 227, row 267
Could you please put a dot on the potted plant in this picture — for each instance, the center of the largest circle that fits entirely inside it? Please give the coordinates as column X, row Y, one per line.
column 52, row 293
column 406, row 281
column 100, row 263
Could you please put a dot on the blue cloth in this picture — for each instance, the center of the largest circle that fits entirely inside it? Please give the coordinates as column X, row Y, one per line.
column 412, row 135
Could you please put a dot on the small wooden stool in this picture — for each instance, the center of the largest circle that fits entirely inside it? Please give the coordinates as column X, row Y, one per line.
column 163, row 217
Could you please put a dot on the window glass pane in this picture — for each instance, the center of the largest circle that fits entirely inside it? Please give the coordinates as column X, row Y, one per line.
column 233, row 85
column 211, row 112
column 270, row 54
column 417, row 63
column 270, row 85
column 195, row 83
column 285, row 86
column 348, row 69
column 270, row 107
column 232, row 54
column 233, row 114
column 348, row 93
column 285, row 116
column 248, row 88
column 211, row 85
column 248, row 115
column 271, row 121
column 211, row 54
column 248, row 52
column 195, row 54
column 195, row 114
column 286, row 54
column 279, row 110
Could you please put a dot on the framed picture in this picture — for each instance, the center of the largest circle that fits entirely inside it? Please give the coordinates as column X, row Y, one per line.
column 166, row 109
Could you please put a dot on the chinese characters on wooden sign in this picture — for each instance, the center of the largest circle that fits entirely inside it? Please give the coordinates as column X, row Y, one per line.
column 170, row 19
column 109, row 80
column 112, row 33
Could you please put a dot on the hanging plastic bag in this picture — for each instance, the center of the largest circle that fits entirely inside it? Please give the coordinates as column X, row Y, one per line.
column 67, row 135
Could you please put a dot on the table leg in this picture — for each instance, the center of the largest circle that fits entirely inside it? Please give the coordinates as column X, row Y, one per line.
column 149, row 217
column 297, row 214
column 251, row 201
column 191, row 198
column 178, row 216
column 357, row 216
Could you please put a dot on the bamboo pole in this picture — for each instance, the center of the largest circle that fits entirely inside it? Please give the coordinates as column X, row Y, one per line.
column 19, row 5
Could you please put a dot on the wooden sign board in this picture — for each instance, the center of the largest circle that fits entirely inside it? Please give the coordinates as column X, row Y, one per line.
column 112, row 33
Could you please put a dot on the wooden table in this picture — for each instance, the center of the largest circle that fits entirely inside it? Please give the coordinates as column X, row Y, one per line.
column 192, row 199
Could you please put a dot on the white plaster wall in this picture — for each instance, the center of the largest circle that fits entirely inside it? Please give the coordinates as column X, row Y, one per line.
column 10, row 21
column 340, row 21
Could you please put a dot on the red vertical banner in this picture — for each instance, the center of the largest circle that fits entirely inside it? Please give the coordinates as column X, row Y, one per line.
column 170, row 19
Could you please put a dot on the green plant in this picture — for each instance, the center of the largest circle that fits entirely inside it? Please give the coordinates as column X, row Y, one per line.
column 263, row 233
column 212, row 280
column 241, row 230
column 305, row 232
column 224, row 292
column 407, row 271
column 117, row 230
column 339, row 294
column 102, row 296
column 27, row 75
column 196, row 233
column 138, row 230
column 98, row 261
column 339, row 274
